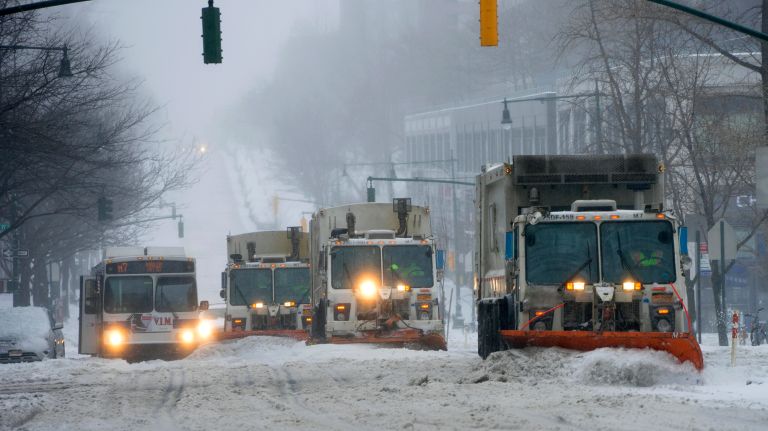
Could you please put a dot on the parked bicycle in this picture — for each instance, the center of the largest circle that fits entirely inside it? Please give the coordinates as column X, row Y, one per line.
column 758, row 333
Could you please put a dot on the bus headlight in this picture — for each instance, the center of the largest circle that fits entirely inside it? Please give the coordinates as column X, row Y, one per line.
column 114, row 337
column 187, row 336
column 204, row 329
column 368, row 289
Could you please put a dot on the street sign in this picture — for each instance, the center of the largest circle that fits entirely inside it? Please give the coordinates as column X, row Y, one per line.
column 7, row 252
column 761, row 173
column 4, row 226
column 724, row 230
column 706, row 270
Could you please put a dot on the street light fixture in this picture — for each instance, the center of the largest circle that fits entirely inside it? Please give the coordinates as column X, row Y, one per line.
column 65, row 69
column 506, row 119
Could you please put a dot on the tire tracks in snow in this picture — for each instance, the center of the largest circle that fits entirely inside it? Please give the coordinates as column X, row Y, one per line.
column 290, row 390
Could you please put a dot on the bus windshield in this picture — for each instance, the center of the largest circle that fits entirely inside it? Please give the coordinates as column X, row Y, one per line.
column 350, row 264
column 176, row 294
column 638, row 251
column 556, row 253
column 128, row 294
column 408, row 264
column 248, row 286
column 292, row 284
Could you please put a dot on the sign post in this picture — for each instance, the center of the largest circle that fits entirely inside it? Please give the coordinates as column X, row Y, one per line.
column 722, row 248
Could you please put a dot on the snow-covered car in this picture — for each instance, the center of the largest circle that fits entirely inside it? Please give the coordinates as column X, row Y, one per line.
column 29, row 334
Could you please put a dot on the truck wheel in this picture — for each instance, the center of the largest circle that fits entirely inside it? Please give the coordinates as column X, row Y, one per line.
column 318, row 321
column 488, row 337
column 481, row 329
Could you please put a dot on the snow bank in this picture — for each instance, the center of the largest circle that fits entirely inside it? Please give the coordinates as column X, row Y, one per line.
column 29, row 326
column 608, row 367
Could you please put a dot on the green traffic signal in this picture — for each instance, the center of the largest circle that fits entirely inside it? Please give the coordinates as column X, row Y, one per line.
column 211, row 34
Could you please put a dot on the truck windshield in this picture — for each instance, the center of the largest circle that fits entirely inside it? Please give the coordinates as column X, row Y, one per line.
column 176, row 294
column 292, row 284
column 559, row 252
column 408, row 264
column 248, row 286
column 128, row 294
column 638, row 251
column 350, row 264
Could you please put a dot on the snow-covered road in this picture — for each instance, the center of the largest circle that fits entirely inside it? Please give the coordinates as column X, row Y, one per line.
column 271, row 383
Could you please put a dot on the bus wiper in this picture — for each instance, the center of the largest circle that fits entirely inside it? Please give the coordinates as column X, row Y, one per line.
column 166, row 301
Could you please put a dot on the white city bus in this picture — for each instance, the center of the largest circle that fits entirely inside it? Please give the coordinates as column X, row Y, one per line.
column 141, row 303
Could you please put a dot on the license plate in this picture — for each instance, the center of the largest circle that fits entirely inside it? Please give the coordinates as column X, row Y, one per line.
column 14, row 353
column 306, row 312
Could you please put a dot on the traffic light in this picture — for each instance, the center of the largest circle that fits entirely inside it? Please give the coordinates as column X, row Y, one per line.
column 181, row 228
column 211, row 34
column 489, row 25
column 371, row 193
column 105, row 209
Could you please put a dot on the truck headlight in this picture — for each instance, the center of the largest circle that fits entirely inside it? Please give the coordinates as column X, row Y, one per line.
column 289, row 304
column 403, row 288
column 341, row 312
column 575, row 285
column 631, row 285
column 368, row 289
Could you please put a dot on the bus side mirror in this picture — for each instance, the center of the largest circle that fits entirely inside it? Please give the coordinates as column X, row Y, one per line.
column 203, row 305
column 440, row 260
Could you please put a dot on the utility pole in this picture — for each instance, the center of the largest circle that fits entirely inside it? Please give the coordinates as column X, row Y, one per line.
column 458, row 320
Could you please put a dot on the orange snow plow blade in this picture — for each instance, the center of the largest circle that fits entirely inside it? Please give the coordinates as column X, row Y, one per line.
column 410, row 338
column 683, row 346
column 298, row 334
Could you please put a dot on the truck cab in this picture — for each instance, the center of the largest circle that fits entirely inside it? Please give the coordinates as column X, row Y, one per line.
column 376, row 275
column 266, row 283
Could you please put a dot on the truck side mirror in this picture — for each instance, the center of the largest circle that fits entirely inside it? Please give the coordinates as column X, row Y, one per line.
column 223, row 293
column 224, row 280
column 683, row 236
column 510, row 241
column 440, row 260
column 203, row 306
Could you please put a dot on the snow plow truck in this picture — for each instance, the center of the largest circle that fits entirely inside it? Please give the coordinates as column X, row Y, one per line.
column 374, row 276
column 266, row 284
column 579, row 252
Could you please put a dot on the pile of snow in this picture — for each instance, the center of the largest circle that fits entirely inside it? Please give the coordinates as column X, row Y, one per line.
column 601, row 367
column 28, row 326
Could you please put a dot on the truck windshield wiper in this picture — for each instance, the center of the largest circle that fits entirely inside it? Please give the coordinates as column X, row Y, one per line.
column 624, row 263
column 575, row 273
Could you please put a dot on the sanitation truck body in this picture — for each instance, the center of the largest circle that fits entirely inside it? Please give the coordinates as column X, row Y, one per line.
column 266, row 284
column 579, row 252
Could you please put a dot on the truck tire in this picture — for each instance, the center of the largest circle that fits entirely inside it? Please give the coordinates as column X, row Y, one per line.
column 318, row 321
column 489, row 324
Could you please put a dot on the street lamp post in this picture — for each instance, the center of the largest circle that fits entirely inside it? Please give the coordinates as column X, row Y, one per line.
column 65, row 71
column 506, row 120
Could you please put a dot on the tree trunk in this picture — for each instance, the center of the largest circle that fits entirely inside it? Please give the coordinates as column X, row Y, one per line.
column 64, row 277
column 722, row 328
column 25, row 292
column 764, row 66
column 40, row 290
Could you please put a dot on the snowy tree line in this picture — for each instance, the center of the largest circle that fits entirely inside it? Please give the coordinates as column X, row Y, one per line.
column 65, row 142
